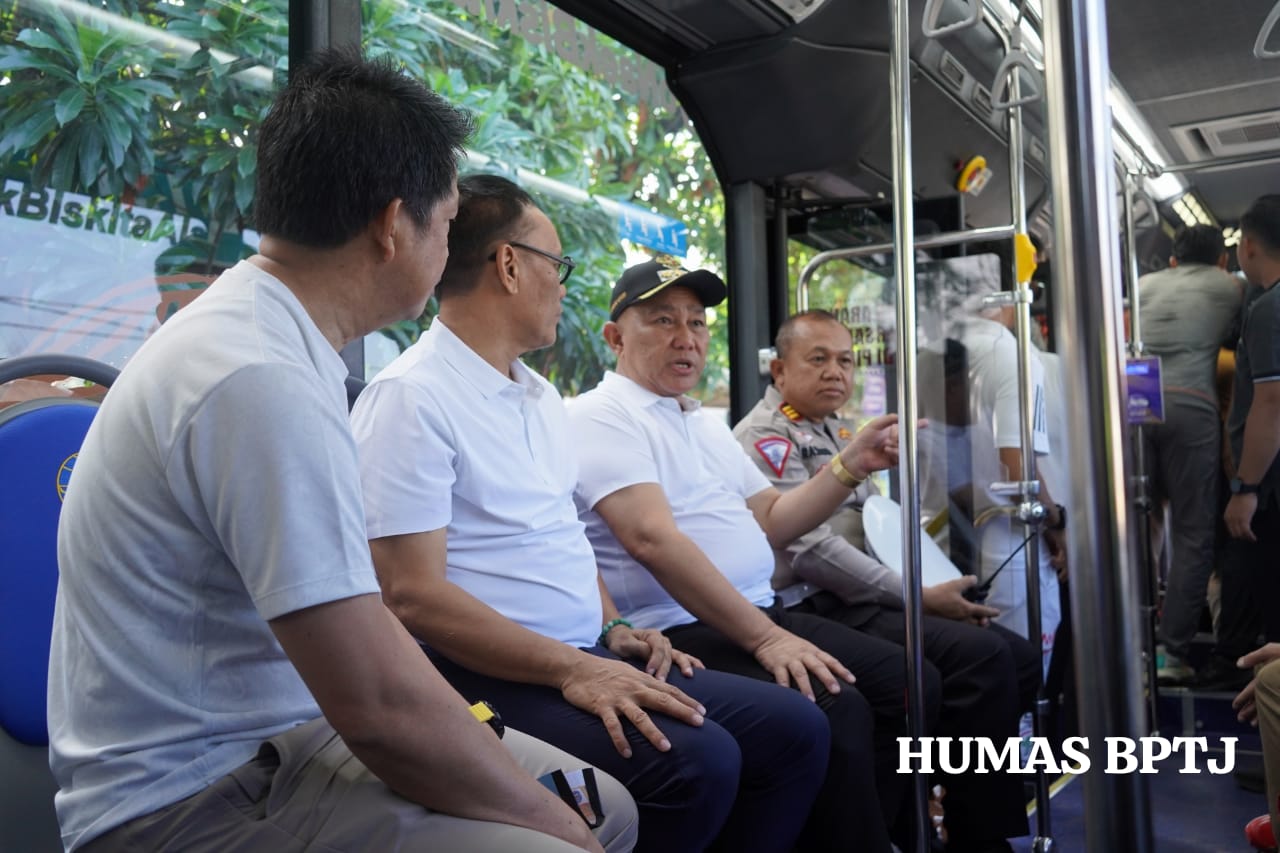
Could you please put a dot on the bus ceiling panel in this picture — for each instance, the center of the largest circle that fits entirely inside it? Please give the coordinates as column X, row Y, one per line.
column 784, row 106
column 1229, row 192
column 1189, row 68
column 1167, row 48
column 832, row 137
column 671, row 31
column 944, row 136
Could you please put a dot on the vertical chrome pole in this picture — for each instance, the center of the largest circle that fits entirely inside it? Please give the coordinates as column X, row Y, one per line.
column 1103, row 581
column 1141, row 482
column 908, row 469
column 1030, row 511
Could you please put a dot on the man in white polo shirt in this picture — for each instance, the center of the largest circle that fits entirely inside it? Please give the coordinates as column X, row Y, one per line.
column 466, row 457
column 683, row 522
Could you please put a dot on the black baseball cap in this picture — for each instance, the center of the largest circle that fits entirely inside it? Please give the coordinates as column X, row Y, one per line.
column 652, row 277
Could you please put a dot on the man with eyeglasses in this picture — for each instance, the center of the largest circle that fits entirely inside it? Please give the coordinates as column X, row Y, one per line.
column 466, row 457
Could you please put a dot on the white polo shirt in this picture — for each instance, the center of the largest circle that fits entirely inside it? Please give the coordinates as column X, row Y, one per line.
column 445, row 440
column 624, row 435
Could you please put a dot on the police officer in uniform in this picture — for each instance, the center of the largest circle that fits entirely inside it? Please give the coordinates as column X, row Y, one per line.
column 989, row 674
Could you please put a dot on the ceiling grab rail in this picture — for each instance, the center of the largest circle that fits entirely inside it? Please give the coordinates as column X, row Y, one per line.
column 904, row 272
column 1104, row 584
column 933, row 241
column 1268, row 26
column 933, row 11
column 1006, row 88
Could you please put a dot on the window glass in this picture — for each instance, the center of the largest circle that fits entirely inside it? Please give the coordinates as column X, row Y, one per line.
column 127, row 147
column 587, row 126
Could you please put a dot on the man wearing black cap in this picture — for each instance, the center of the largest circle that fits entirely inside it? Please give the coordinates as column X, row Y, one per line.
column 682, row 524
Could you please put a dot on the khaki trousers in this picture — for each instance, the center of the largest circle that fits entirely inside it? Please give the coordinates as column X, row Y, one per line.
column 1267, row 699
column 306, row 791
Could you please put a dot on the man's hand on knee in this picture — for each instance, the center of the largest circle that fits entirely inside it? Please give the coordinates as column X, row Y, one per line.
column 614, row 691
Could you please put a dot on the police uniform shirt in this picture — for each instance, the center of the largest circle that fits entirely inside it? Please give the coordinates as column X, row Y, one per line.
column 788, row 449
column 447, row 441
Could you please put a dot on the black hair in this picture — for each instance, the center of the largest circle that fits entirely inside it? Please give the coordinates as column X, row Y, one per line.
column 1198, row 244
column 1262, row 223
column 787, row 332
column 490, row 208
column 345, row 138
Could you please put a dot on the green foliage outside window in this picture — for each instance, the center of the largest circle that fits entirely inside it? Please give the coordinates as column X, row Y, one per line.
column 158, row 103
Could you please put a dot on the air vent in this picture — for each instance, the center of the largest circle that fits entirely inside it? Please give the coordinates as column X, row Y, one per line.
column 951, row 71
column 1256, row 133
column 981, row 100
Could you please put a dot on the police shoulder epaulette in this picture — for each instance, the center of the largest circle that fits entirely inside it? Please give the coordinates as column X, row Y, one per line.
column 788, row 410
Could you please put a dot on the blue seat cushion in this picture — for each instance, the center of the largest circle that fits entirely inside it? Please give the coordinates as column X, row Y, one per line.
column 39, row 441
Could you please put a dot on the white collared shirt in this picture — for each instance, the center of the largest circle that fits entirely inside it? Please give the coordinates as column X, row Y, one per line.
column 445, row 440
column 624, row 435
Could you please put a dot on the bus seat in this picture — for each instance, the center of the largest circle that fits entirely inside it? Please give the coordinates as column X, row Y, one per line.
column 39, row 440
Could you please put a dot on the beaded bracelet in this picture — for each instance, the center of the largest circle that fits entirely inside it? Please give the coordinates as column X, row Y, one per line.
column 609, row 626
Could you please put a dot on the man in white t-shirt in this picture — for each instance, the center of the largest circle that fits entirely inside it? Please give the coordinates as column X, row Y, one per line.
column 683, row 525
column 992, row 357
column 223, row 673
column 469, row 472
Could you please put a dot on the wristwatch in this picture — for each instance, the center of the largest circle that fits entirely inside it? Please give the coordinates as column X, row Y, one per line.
column 1240, row 487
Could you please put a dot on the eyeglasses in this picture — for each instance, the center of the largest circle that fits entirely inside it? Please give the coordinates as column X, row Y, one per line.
column 564, row 265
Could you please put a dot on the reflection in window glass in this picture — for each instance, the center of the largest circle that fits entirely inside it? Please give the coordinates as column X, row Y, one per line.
column 587, row 126
column 127, row 147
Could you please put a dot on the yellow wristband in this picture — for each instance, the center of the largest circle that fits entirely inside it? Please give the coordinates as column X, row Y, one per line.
column 841, row 473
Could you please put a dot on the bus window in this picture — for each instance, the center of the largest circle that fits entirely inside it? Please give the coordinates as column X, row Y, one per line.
column 128, row 155
column 591, row 129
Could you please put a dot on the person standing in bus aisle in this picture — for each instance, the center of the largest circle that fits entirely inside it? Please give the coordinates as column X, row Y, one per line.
column 1250, row 567
column 989, row 674
column 223, row 672
column 469, row 473
column 682, row 524
column 995, row 407
column 1189, row 311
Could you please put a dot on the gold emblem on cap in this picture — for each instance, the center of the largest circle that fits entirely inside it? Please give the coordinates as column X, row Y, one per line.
column 673, row 269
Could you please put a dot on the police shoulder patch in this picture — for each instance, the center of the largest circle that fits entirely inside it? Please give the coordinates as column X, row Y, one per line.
column 776, row 450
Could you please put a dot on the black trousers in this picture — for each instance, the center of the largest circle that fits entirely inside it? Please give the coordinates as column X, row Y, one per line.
column 989, row 677
column 863, row 794
column 1251, row 586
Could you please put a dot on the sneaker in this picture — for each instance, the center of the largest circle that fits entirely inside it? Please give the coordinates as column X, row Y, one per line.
column 1173, row 670
column 1222, row 674
column 1259, row 834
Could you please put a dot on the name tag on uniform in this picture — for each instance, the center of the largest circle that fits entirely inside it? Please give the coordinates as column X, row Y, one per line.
column 1145, row 390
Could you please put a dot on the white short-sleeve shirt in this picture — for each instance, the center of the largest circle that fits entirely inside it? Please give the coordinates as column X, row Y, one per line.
column 995, row 410
column 624, row 435
column 217, row 489
column 446, row 441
